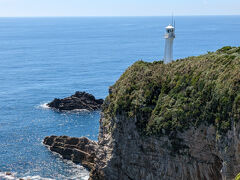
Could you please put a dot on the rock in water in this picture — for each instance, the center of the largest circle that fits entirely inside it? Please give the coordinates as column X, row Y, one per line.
column 78, row 150
column 78, row 101
column 8, row 173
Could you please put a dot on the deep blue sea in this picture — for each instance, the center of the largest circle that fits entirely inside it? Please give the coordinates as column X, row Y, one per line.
column 45, row 58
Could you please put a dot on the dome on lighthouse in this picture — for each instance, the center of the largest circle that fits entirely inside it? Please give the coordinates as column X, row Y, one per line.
column 169, row 27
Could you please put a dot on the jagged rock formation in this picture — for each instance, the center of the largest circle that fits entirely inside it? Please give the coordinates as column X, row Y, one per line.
column 78, row 101
column 79, row 150
column 172, row 121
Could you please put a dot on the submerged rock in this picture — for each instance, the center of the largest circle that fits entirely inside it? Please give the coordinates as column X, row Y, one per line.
column 79, row 150
column 78, row 101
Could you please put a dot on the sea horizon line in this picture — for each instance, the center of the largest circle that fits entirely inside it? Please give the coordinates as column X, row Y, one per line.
column 218, row 15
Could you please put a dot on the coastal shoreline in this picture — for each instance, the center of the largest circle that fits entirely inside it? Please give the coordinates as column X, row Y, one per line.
column 140, row 140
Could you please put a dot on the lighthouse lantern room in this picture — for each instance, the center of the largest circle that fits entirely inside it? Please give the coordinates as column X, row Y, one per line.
column 169, row 37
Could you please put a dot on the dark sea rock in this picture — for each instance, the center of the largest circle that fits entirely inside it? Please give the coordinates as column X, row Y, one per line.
column 78, row 101
column 79, row 150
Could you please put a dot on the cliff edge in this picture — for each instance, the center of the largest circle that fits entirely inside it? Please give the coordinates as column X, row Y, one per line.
column 173, row 121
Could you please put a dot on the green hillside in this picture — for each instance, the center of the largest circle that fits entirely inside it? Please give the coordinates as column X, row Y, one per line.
column 172, row 97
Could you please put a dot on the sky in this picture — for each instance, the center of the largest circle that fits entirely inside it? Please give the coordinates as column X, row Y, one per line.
column 33, row 8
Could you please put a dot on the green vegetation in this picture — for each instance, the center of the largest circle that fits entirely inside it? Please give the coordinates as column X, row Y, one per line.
column 237, row 177
column 165, row 98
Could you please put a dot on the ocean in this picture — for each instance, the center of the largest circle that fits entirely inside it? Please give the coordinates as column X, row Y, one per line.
column 46, row 58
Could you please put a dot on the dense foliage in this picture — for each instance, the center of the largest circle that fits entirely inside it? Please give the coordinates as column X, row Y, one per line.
column 172, row 97
column 237, row 177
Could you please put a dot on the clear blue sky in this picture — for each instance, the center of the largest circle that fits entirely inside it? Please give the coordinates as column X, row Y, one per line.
column 9, row 8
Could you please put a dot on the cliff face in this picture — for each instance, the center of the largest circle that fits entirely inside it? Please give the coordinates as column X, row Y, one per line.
column 194, row 154
column 173, row 121
column 125, row 154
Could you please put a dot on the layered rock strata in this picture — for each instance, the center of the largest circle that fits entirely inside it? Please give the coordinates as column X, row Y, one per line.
column 79, row 150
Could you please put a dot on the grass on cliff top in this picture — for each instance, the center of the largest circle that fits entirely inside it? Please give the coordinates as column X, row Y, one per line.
column 175, row 96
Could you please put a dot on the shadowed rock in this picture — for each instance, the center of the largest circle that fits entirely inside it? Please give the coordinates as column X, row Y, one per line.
column 79, row 150
column 78, row 101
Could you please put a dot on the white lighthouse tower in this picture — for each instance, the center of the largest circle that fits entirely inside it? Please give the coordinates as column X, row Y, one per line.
column 169, row 37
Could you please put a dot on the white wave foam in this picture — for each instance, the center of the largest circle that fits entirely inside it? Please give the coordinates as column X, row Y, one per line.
column 78, row 176
column 35, row 178
column 80, row 173
column 12, row 176
column 80, row 110
column 75, row 111
column 43, row 106
column 7, row 176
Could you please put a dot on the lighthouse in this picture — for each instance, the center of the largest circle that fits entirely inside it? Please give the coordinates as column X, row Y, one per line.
column 169, row 37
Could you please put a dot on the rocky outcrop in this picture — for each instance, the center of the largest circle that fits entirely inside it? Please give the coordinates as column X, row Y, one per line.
column 124, row 153
column 79, row 150
column 78, row 101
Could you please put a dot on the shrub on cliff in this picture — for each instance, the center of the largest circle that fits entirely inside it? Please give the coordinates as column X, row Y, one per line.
column 237, row 177
column 172, row 97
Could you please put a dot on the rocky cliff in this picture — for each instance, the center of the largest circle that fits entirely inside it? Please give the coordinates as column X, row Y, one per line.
column 179, row 120
column 173, row 121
